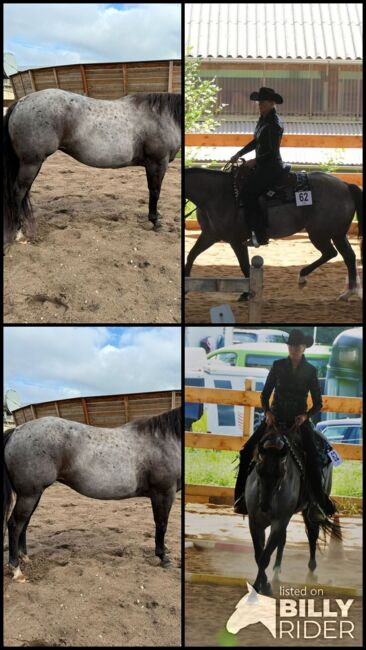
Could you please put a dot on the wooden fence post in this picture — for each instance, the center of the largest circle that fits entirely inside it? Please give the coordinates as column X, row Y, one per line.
column 256, row 290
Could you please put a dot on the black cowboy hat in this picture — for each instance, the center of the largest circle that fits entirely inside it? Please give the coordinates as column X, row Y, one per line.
column 266, row 94
column 297, row 337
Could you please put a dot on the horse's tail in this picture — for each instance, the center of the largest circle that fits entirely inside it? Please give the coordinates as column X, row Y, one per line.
column 8, row 490
column 334, row 528
column 12, row 218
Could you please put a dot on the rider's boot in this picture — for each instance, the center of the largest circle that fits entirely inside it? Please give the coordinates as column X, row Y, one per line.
column 239, row 493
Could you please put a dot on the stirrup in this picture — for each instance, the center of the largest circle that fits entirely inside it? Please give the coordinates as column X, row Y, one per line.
column 253, row 241
column 240, row 506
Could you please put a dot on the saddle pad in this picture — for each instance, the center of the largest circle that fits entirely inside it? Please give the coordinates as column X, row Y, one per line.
column 279, row 195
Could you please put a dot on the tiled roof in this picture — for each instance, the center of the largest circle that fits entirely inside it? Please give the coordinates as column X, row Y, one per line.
column 274, row 30
column 295, row 128
column 295, row 155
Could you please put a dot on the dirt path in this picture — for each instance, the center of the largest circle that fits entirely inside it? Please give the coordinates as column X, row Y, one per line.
column 283, row 301
column 94, row 578
column 93, row 260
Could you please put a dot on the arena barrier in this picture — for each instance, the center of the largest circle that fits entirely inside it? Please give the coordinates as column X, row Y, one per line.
column 253, row 285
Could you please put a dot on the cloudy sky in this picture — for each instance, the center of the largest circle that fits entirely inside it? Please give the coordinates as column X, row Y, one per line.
column 44, row 363
column 60, row 34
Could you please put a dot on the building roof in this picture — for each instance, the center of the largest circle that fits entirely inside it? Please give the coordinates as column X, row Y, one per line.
column 274, row 31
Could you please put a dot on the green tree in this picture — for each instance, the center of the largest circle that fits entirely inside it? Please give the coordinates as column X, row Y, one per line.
column 201, row 105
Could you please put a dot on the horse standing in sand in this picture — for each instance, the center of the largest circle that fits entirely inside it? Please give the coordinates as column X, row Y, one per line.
column 142, row 129
column 139, row 459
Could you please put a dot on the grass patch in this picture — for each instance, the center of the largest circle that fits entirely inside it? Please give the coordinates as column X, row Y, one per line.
column 212, row 467
column 187, row 209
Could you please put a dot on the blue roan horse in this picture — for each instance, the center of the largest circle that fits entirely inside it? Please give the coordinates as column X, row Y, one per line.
column 139, row 459
column 143, row 129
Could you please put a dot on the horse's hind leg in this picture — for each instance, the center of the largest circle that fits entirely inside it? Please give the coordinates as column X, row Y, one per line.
column 23, row 555
column 26, row 175
column 161, row 505
column 155, row 172
column 327, row 252
column 345, row 249
column 19, row 519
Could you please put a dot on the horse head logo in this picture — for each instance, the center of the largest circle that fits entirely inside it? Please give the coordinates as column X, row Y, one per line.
column 253, row 608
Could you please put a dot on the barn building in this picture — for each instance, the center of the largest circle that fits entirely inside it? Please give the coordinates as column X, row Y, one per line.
column 311, row 54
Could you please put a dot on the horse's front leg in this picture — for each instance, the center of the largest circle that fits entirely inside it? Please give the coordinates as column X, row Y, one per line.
column 258, row 539
column 275, row 539
column 241, row 251
column 161, row 504
column 203, row 242
column 155, row 172
column 312, row 531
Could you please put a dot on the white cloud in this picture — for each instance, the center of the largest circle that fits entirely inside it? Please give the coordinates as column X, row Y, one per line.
column 55, row 34
column 44, row 363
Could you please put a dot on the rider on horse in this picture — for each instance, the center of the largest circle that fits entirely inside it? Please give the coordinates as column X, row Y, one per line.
column 291, row 379
column 267, row 166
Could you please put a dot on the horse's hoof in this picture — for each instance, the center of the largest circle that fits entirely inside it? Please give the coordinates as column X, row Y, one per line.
column 165, row 562
column 18, row 575
column 312, row 565
column 148, row 226
column 347, row 294
column 301, row 281
column 267, row 590
column 157, row 226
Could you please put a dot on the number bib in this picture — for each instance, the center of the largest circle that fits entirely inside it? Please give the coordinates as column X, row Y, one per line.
column 335, row 458
column 304, row 198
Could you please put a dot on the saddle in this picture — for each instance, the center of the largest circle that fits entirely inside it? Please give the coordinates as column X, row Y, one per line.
column 281, row 192
column 284, row 190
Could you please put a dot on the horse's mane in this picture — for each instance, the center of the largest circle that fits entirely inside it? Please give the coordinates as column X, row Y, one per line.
column 160, row 102
column 170, row 421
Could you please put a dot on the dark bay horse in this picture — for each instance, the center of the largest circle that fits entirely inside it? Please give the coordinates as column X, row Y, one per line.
column 275, row 490
column 140, row 459
column 326, row 221
column 143, row 129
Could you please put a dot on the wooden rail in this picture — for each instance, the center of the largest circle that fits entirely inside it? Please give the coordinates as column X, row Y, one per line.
column 102, row 410
column 294, row 140
column 250, row 398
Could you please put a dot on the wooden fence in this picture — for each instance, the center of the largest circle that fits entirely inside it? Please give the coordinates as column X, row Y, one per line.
column 102, row 411
column 250, row 398
column 102, row 80
column 294, row 140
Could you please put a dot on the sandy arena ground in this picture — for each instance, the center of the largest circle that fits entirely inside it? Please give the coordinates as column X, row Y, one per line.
column 283, row 301
column 94, row 578
column 208, row 607
column 93, row 259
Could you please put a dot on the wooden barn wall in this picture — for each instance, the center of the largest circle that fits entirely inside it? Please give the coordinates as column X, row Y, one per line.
column 102, row 81
column 106, row 411
column 308, row 88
